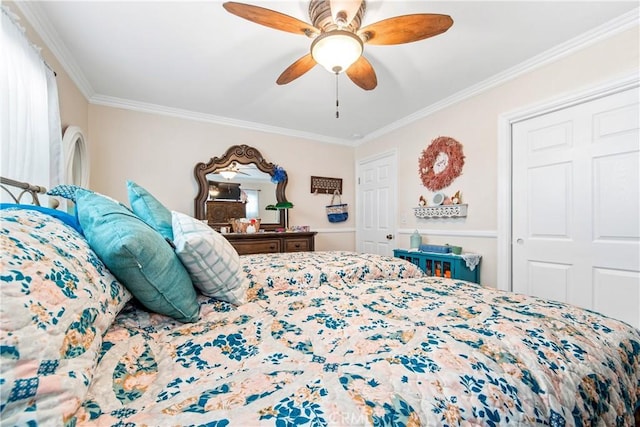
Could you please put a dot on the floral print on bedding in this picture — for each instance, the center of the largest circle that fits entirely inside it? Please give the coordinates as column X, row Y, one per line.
column 270, row 272
column 56, row 301
column 403, row 352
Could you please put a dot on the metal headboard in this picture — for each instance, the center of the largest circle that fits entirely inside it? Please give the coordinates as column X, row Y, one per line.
column 26, row 188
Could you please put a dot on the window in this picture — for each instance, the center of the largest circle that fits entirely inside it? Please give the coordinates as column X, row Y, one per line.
column 253, row 203
column 31, row 148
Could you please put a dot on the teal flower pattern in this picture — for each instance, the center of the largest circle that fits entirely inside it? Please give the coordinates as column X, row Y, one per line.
column 80, row 334
column 58, row 301
column 326, row 338
column 410, row 352
column 134, row 373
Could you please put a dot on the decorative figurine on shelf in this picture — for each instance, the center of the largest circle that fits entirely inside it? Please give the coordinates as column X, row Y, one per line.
column 422, row 201
column 456, row 199
column 251, row 228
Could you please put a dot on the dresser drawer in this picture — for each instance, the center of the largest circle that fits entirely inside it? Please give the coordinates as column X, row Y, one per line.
column 272, row 242
column 257, row 247
column 297, row 245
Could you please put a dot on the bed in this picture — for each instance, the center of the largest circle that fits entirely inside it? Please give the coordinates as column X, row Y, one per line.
column 275, row 271
column 327, row 338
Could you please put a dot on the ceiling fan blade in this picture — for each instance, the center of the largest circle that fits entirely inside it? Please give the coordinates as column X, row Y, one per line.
column 296, row 69
column 270, row 18
column 406, row 28
column 343, row 11
column 362, row 74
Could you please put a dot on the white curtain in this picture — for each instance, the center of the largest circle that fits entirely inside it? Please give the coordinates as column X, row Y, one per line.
column 31, row 145
column 253, row 203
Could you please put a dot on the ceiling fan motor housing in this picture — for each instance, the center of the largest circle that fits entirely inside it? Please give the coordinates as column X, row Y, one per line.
column 321, row 17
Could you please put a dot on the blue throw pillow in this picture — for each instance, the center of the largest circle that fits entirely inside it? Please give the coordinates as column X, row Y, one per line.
column 150, row 210
column 70, row 220
column 138, row 256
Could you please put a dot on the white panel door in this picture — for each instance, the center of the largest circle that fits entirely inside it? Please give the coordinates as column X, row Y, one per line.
column 377, row 200
column 576, row 206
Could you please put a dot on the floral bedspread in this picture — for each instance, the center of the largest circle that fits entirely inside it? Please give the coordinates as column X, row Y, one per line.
column 272, row 272
column 416, row 351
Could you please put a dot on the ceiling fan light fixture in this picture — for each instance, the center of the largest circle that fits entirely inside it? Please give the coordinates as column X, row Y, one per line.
column 213, row 192
column 336, row 50
column 228, row 174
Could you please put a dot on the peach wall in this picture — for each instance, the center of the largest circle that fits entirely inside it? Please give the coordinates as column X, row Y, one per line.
column 159, row 152
column 474, row 123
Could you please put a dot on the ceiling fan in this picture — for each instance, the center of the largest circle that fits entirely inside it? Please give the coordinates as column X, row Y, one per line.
column 338, row 40
column 231, row 171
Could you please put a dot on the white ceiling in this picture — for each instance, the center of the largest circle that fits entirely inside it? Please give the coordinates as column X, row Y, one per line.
column 194, row 59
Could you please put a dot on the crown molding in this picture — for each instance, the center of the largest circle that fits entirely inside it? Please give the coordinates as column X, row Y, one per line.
column 602, row 32
column 38, row 20
column 41, row 24
column 109, row 101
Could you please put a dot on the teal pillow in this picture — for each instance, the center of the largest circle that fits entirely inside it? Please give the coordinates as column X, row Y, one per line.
column 150, row 209
column 138, row 256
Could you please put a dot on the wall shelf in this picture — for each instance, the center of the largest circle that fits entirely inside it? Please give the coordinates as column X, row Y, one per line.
column 442, row 211
column 326, row 185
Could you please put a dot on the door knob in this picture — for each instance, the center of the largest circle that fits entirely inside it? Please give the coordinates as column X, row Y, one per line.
column 389, row 236
column 520, row 241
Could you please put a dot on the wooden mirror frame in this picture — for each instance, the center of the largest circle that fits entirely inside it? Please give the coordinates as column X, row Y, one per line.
column 245, row 155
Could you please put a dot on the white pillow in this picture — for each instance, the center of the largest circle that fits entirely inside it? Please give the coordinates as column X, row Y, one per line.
column 212, row 262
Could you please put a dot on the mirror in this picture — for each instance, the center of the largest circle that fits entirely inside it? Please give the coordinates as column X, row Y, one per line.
column 236, row 185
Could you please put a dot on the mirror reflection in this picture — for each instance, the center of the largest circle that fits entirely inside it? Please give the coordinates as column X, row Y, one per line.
column 245, row 190
column 240, row 184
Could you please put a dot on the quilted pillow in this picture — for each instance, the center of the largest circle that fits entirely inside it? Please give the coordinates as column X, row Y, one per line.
column 67, row 191
column 213, row 263
column 150, row 209
column 138, row 256
column 57, row 301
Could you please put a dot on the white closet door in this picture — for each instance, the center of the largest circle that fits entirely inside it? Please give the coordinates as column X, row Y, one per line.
column 377, row 204
column 576, row 206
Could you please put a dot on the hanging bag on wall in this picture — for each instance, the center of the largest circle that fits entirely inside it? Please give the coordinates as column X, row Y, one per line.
column 337, row 212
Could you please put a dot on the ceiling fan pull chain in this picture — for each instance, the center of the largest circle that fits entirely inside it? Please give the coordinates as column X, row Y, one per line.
column 337, row 102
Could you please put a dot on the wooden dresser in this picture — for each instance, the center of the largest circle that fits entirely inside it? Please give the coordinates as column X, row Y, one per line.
column 271, row 242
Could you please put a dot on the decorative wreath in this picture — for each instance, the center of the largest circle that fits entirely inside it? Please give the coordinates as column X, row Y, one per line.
column 440, row 163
